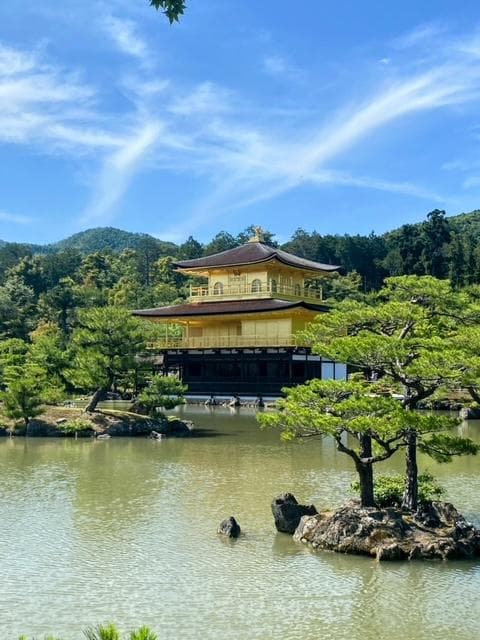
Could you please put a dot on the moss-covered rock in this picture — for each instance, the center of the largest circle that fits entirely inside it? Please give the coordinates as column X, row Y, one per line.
column 435, row 531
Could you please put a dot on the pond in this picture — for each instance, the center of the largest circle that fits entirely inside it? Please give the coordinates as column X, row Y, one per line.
column 125, row 530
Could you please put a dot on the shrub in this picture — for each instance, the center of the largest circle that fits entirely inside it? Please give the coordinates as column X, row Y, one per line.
column 389, row 489
column 164, row 392
column 143, row 633
column 109, row 632
column 75, row 425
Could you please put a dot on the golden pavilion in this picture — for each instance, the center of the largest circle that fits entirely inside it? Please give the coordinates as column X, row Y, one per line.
column 237, row 333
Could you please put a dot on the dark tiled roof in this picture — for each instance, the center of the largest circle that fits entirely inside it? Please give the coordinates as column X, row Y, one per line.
column 225, row 308
column 253, row 253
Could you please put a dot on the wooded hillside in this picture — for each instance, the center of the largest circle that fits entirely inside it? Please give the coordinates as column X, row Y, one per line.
column 108, row 266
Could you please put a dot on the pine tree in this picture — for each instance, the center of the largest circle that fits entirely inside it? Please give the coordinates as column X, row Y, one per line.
column 406, row 336
column 105, row 345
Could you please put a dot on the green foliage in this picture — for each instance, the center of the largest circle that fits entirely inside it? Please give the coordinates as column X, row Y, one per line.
column 221, row 242
column 190, row 249
column 107, row 239
column 75, row 425
column 439, row 246
column 45, row 638
column 144, row 633
column 164, row 392
column 17, row 305
column 13, row 353
column 173, row 9
column 468, row 341
column 105, row 344
column 110, row 632
column 443, row 446
column 107, row 266
column 403, row 334
column 374, row 425
column 334, row 408
column 58, row 304
column 48, row 352
column 336, row 287
column 23, row 397
column 389, row 489
column 407, row 334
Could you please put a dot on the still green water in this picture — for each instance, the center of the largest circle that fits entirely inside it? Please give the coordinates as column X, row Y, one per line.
column 125, row 530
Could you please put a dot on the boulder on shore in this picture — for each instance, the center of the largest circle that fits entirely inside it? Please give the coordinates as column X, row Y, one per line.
column 435, row 531
column 229, row 528
column 469, row 413
column 179, row 428
column 287, row 513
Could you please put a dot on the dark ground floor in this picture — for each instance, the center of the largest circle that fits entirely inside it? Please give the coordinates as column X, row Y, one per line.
column 251, row 372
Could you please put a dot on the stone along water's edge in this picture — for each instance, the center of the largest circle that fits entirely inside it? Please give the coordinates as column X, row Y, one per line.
column 103, row 425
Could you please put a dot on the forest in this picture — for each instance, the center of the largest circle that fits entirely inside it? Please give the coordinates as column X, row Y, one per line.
column 109, row 267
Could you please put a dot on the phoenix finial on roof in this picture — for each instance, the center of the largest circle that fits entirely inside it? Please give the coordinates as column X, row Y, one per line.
column 259, row 235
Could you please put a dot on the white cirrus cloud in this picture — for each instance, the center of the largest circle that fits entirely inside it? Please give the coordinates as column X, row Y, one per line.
column 241, row 152
column 118, row 171
column 205, row 98
column 420, row 35
column 13, row 61
column 280, row 67
column 16, row 219
column 125, row 35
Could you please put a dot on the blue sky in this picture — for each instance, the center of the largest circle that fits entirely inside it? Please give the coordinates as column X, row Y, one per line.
column 346, row 117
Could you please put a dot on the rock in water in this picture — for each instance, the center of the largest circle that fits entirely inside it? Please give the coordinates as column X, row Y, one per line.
column 287, row 512
column 229, row 528
column 469, row 413
column 437, row 530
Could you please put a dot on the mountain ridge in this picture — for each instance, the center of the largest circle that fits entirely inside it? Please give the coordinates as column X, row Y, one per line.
column 116, row 240
column 97, row 239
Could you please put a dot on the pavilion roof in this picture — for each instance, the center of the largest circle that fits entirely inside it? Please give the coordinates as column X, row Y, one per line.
column 253, row 253
column 227, row 308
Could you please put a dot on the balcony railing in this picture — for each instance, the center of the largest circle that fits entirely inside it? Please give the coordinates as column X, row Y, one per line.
column 225, row 342
column 254, row 290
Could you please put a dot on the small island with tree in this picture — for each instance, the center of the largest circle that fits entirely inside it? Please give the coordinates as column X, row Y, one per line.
column 103, row 356
column 410, row 340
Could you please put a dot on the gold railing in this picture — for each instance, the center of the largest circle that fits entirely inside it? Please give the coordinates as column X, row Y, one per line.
column 256, row 290
column 225, row 342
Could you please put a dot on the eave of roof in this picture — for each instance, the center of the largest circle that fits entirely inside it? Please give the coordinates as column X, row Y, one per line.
column 227, row 308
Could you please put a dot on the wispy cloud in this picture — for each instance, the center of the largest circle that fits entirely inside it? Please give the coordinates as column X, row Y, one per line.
column 13, row 61
column 16, row 219
column 205, row 98
column 262, row 164
column 471, row 182
column 364, row 182
column 279, row 66
column 204, row 129
column 118, row 172
column 41, row 103
column 419, row 35
column 125, row 35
